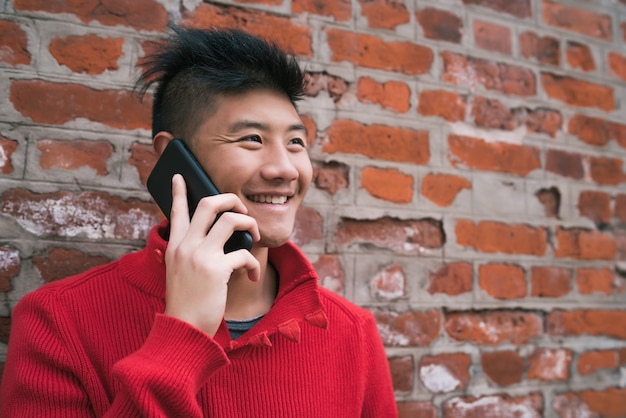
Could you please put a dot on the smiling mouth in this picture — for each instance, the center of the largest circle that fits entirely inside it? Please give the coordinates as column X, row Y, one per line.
column 276, row 200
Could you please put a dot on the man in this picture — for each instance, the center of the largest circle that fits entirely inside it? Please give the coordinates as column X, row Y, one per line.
column 181, row 328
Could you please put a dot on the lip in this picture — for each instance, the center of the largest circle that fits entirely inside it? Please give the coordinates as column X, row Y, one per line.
column 275, row 199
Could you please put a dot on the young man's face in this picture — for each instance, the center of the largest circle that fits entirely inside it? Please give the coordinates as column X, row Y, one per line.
column 254, row 145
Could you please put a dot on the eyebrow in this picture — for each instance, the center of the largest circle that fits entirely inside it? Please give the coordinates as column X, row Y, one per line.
column 247, row 124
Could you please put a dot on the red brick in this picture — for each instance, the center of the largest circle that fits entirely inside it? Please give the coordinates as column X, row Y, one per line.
column 445, row 104
column 550, row 282
column 384, row 14
column 493, row 114
column 408, row 328
column 13, row 44
column 378, row 142
column 609, row 323
column 589, row 129
column 606, row 170
column 442, row 189
column 544, row 49
column 395, row 234
column 617, row 64
column 10, row 267
column 499, row 157
column 493, row 327
column 503, row 367
column 595, row 205
column 142, row 157
column 591, row 280
column 94, row 215
column 330, row 273
column 563, row 163
column 331, row 176
column 492, row 37
column 64, row 262
column 502, row 281
column 372, row 52
column 336, row 87
column 452, row 279
column 517, row 8
column 577, row 20
column 58, row 103
column 89, row 54
column 584, row 244
column 550, row 198
column 546, row 121
column 440, row 25
column 445, row 372
column 494, row 406
column 577, row 92
column 505, row 78
column 282, row 30
column 341, row 10
column 402, row 372
column 591, row 361
column 607, row 403
column 393, row 95
column 389, row 283
column 72, row 155
column 579, row 56
column 388, row 184
column 620, row 207
column 138, row 14
column 495, row 237
column 546, row 364
column 7, row 148
column 309, row 226
column 412, row 409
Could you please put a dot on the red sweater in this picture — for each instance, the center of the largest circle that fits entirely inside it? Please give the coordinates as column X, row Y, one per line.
column 98, row 344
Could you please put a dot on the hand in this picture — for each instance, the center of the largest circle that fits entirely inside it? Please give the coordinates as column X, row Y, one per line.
column 198, row 271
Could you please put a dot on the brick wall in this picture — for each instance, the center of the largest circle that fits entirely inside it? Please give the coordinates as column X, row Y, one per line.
column 469, row 177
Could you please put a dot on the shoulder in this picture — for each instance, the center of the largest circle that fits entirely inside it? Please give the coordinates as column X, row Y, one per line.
column 340, row 307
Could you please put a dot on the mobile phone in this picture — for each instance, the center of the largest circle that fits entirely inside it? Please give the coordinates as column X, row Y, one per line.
column 178, row 159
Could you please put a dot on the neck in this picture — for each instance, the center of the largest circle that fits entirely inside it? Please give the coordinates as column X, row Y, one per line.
column 247, row 299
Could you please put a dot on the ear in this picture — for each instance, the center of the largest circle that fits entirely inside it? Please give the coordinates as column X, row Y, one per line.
column 161, row 140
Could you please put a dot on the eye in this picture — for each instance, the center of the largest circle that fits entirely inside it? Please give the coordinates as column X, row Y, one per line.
column 298, row 141
column 251, row 138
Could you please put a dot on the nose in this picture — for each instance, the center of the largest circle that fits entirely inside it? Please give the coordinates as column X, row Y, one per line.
column 279, row 164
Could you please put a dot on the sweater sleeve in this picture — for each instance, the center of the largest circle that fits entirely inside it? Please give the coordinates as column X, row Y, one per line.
column 47, row 374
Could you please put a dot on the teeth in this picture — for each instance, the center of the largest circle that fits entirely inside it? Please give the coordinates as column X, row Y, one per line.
column 277, row 200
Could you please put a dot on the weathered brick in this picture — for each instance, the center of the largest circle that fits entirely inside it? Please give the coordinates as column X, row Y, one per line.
column 93, row 215
column 378, row 142
column 445, row 104
column 589, row 129
column 10, row 266
column 71, row 155
column 372, row 52
column 505, row 78
column 388, row 184
column 493, row 327
column 445, row 372
column 282, row 30
column 442, row 189
column 309, row 226
column 607, row 323
column 413, row 409
column 576, row 92
column 595, row 205
column 502, row 281
column 7, row 148
column 584, row 244
column 491, row 113
column 13, row 44
column 503, row 367
column 550, row 282
column 544, row 49
column 395, row 234
column 138, row 14
column 64, row 262
column 591, row 361
column 517, row 8
column 566, row 164
column 389, row 283
column 579, row 56
column 577, row 20
column 330, row 273
column 617, row 64
column 317, row 82
column 340, row 10
column 5, row 330
column 58, row 103
column 394, row 95
column 440, row 25
column 384, row 14
column 89, row 54
column 331, row 176
column 590, row 280
column 607, row 403
column 550, row 198
column 495, row 237
column 619, row 210
column 499, row 157
column 606, row 170
column 402, row 372
column 547, row 364
column 492, row 37
column 408, row 328
column 142, row 157
column 452, row 279
column 547, row 121
column 530, row 406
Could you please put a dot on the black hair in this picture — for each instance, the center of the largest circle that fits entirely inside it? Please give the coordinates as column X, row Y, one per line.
column 194, row 67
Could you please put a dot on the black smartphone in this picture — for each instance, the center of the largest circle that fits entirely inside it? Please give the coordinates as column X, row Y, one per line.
column 177, row 158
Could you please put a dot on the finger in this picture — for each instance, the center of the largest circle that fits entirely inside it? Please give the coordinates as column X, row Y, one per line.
column 242, row 259
column 179, row 215
column 210, row 206
column 229, row 222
